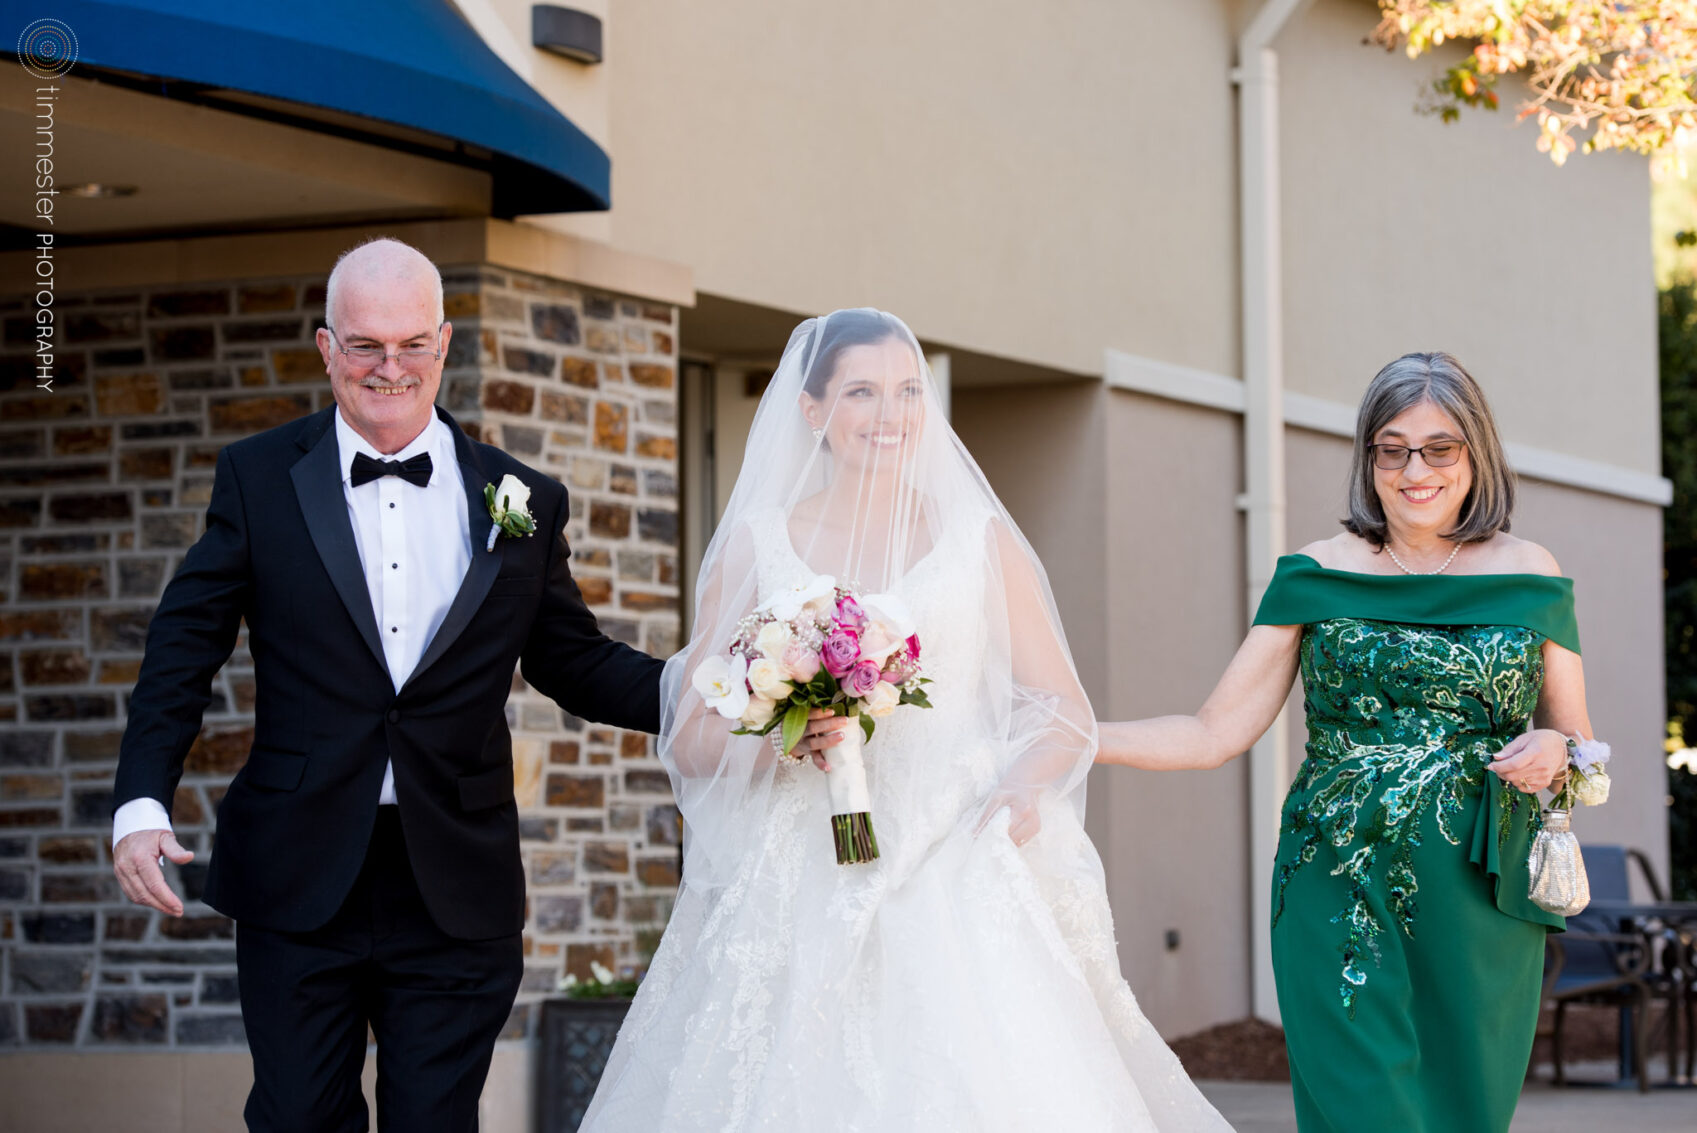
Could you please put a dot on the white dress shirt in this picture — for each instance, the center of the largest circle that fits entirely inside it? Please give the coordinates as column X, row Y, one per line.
column 414, row 546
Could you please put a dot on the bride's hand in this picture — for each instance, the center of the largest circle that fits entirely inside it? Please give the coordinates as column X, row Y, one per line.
column 1024, row 821
column 825, row 729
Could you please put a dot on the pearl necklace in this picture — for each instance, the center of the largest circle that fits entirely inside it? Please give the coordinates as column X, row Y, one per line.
column 1404, row 566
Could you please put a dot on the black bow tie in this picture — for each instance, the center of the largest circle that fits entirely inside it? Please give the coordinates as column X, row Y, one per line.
column 367, row 469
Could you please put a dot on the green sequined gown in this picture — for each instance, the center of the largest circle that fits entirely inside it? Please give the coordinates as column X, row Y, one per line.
column 1407, row 956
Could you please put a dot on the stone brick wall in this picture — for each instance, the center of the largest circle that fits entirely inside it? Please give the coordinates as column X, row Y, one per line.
column 102, row 486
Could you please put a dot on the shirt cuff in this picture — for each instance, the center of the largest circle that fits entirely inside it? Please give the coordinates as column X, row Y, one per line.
column 139, row 814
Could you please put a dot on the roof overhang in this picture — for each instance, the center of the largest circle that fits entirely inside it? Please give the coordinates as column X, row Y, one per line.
column 411, row 75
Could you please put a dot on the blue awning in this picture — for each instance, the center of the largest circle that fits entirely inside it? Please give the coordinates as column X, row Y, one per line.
column 410, row 63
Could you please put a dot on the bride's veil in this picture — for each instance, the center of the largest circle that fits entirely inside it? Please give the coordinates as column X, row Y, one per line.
column 851, row 466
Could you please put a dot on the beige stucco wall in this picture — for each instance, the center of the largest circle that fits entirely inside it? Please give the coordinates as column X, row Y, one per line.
column 1402, row 233
column 956, row 162
column 1177, row 844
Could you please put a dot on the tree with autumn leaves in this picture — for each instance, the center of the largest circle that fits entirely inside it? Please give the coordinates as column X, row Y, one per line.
column 1615, row 75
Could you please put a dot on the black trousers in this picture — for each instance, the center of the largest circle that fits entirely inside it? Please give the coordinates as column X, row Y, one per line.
column 435, row 1005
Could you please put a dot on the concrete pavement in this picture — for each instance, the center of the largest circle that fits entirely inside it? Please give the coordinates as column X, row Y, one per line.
column 1265, row 1107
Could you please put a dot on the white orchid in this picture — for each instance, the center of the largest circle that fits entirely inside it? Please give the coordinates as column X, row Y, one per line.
column 723, row 684
column 786, row 605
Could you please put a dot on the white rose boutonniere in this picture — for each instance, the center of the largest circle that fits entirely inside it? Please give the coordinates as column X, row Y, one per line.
column 509, row 507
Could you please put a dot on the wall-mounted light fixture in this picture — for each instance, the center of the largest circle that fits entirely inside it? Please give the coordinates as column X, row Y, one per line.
column 98, row 189
column 566, row 32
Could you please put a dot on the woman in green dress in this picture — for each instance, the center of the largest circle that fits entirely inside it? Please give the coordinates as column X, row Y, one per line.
column 1407, row 955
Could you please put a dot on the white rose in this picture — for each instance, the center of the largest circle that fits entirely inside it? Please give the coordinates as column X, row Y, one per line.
column 722, row 683
column 767, row 678
column 511, row 494
column 882, row 700
column 773, row 640
column 1591, row 788
column 759, row 712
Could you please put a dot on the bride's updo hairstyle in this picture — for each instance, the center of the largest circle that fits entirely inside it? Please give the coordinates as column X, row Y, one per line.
column 842, row 331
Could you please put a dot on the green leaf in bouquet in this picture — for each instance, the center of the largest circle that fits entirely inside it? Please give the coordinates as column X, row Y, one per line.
column 867, row 724
column 795, row 723
column 916, row 696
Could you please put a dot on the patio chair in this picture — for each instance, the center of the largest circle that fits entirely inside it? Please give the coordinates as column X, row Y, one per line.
column 1595, row 963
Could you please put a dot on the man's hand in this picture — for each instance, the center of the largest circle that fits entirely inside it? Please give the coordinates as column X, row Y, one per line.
column 136, row 862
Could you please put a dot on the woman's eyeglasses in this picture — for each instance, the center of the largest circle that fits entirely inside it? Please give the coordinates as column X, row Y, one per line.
column 1438, row 454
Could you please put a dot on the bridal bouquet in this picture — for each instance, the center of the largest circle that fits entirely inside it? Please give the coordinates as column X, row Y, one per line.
column 821, row 645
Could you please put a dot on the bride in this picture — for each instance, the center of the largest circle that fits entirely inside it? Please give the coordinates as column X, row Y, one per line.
column 967, row 978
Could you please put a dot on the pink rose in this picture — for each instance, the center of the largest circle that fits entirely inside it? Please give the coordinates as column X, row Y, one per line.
column 913, row 647
column 850, row 615
column 800, row 662
column 840, row 652
column 861, row 679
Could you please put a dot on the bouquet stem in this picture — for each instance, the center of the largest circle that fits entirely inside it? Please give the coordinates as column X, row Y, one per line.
column 851, row 801
column 854, row 837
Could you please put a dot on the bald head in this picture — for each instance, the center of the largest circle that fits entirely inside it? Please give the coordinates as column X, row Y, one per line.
column 384, row 270
column 384, row 303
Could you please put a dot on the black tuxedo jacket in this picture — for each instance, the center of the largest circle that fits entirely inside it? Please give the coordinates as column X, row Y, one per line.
column 279, row 552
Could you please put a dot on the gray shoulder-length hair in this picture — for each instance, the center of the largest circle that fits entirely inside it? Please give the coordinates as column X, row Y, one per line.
column 1440, row 379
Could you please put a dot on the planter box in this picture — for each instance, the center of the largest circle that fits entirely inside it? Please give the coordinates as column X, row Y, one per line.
column 576, row 1038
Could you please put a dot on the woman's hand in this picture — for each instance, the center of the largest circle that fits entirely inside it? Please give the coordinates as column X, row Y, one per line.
column 1024, row 821
column 1532, row 761
column 825, row 729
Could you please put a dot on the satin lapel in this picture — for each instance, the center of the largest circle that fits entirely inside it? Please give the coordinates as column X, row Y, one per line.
column 318, row 487
column 485, row 565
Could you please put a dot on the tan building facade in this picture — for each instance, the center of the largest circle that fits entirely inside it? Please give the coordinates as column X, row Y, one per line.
column 1054, row 198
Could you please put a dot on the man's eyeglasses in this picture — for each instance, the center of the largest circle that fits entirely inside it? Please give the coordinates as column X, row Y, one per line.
column 408, row 358
column 1438, row 454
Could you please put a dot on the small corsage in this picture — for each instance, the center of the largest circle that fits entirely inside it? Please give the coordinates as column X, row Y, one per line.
column 1588, row 782
column 509, row 507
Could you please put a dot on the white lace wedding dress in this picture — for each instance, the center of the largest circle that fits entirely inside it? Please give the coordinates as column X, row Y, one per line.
column 958, row 983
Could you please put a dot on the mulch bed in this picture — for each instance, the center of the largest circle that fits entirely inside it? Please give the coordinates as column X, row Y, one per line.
column 1250, row 1050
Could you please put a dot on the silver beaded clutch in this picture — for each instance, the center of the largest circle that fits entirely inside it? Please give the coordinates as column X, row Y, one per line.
column 1559, row 884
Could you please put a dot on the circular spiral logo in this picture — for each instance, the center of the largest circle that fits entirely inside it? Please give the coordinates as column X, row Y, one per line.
column 47, row 48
